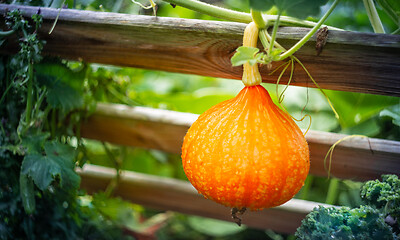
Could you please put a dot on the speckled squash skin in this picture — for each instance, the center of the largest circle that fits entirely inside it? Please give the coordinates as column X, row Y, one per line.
column 246, row 152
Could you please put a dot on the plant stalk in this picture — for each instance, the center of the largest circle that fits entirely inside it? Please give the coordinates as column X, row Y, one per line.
column 6, row 33
column 38, row 103
column 265, row 39
column 258, row 19
column 306, row 188
column 237, row 16
column 373, row 16
column 114, row 182
column 300, row 43
column 212, row 10
column 273, row 37
column 53, row 123
column 5, row 93
column 29, row 98
column 332, row 191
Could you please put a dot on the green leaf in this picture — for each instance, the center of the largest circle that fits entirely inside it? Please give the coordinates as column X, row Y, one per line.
column 64, row 85
column 295, row 8
column 245, row 55
column 392, row 9
column 262, row 5
column 35, row 143
column 213, row 227
column 27, row 193
column 355, row 108
column 58, row 163
column 74, row 78
column 40, row 169
column 61, row 95
column 369, row 127
column 305, row 8
column 115, row 209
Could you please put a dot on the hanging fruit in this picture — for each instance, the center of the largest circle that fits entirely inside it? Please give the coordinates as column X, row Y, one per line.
column 246, row 152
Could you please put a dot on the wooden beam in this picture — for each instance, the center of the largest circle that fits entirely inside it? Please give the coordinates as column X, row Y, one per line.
column 357, row 62
column 176, row 195
column 357, row 158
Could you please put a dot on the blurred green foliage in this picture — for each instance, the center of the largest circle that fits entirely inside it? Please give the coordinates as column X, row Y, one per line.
column 295, row 8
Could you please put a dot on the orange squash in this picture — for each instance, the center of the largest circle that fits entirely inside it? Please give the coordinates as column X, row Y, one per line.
column 246, row 152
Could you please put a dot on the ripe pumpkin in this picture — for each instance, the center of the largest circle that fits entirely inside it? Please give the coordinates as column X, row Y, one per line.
column 246, row 152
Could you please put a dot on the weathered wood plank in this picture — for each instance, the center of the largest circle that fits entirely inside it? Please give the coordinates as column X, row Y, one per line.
column 164, row 130
column 358, row 62
column 176, row 195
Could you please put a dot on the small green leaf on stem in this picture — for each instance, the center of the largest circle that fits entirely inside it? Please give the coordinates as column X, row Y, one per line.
column 246, row 55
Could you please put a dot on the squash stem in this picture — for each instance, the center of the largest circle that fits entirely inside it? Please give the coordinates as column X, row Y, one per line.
column 251, row 74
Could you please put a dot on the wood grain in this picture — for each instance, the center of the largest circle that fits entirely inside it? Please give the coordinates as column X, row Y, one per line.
column 176, row 195
column 357, row 158
column 357, row 62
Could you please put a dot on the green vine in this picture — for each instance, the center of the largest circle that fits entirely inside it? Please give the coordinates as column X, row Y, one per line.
column 237, row 16
column 300, row 43
column 373, row 16
column 273, row 36
column 258, row 19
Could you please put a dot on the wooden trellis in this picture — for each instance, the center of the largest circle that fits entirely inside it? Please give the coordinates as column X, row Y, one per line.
column 358, row 62
column 358, row 159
